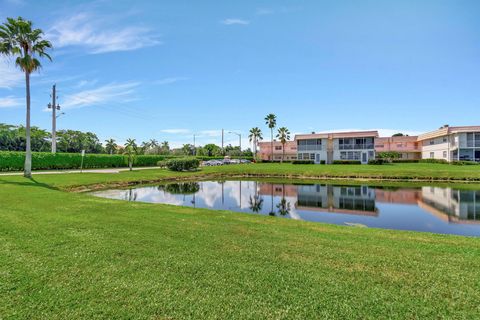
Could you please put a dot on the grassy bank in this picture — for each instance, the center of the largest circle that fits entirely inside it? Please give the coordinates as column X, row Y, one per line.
column 69, row 255
column 438, row 173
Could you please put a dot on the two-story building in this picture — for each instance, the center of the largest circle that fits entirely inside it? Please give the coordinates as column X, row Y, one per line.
column 451, row 143
column 328, row 147
column 265, row 151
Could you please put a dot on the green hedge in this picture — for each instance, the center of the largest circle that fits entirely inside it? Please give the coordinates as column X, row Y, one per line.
column 183, row 164
column 347, row 162
column 14, row 161
column 379, row 161
column 302, row 162
column 433, row 161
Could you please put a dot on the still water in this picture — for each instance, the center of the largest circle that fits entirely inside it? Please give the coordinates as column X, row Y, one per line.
column 429, row 209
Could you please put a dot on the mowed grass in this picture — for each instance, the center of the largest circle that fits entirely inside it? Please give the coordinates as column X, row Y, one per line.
column 398, row 172
column 72, row 256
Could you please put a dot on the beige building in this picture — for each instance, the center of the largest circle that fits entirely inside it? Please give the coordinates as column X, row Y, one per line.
column 451, row 144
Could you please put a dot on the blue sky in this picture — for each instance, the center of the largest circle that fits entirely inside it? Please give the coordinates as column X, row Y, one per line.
column 169, row 69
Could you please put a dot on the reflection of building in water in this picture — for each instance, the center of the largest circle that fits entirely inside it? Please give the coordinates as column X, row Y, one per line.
column 277, row 189
column 358, row 200
column 459, row 206
column 402, row 196
column 456, row 206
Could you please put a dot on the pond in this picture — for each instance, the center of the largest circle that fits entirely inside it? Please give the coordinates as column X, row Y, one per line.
column 427, row 208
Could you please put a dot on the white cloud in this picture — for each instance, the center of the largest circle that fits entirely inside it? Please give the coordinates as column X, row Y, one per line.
column 233, row 21
column 11, row 101
column 176, row 131
column 91, row 32
column 170, row 80
column 264, row 11
column 10, row 76
column 114, row 92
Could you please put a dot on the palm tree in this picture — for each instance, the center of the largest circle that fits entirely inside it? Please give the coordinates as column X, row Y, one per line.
column 283, row 135
column 271, row 122
column 18, row 39
column 165, row 147
column 110, row 146
column 145, row 146
column 154, row 145
column 255, row 203
column 130, row 151
column 255, row 136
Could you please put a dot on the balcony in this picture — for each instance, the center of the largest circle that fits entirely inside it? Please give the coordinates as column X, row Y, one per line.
column 316, row 147
column 362, row 146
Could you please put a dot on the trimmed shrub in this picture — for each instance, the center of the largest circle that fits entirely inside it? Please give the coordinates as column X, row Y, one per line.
column 347, row 162
column 433, row 161
column 465, row 163
column 183, row 164
column 302, row 162
column 376, row 161
column 405, row 161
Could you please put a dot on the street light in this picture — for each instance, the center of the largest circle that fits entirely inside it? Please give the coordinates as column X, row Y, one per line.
column 239, row 141
column 61, row 114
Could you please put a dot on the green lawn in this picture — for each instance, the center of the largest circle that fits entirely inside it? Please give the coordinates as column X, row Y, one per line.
column 72, row 256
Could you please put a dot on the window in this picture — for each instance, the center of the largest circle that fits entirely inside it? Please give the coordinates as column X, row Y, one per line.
column 300, row 157
column 444, row 139
column 432, row 155
column 312, row 156
column 445, row 154
column 432, row 142
column 278, row 147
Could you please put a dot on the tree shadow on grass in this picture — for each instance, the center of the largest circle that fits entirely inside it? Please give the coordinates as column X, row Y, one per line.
column 29, row 182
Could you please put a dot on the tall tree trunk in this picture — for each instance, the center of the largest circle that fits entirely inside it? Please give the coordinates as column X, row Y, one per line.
column 283, row 152
column 27, row 171
column 271, row 143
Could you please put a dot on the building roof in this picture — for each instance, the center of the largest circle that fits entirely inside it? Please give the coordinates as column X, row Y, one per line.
column 333, row 135
column 446, row 130
column 398, row 139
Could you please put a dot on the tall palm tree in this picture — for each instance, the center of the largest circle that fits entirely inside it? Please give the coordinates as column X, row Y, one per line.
column 131, row 143
column 271, row 122
column 255, row 136
column 110, row 146
column 283, row 135
column 19, row 40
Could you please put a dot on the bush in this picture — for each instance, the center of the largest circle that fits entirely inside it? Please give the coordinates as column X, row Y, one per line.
column 376, row 161
column 433, row 161
column 405, row 161
column 14, row 161
column 347, row 162
column 302, row 162
column 464, row 163
column 183, row 164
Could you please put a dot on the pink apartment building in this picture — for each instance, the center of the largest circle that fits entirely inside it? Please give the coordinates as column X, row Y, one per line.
column 265, row 152
column 407, row 147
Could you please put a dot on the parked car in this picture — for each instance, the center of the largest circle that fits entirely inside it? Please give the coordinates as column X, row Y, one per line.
column 245, row 161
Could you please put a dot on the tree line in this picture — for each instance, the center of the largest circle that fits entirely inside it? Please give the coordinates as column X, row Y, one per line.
column 13, row 138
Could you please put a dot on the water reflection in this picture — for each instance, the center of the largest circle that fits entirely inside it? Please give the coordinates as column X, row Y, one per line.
column 434, row 209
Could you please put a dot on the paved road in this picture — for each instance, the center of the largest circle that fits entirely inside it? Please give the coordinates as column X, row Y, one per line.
column 114, row 170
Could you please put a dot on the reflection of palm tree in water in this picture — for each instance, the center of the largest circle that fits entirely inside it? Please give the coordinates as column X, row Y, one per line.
column 256, row 203
column 131, row 195
column 272, row 212
column 284, row 206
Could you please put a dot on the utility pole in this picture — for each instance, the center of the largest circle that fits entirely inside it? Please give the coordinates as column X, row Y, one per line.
column 54, row 108
column 223, row 150
column 194, row 148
